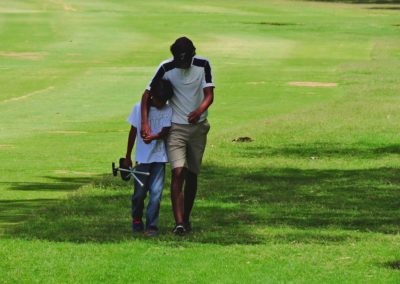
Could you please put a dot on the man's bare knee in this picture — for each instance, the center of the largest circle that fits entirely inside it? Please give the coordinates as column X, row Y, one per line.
column 179, row 174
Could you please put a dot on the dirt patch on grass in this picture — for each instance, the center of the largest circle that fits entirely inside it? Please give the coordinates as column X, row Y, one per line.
column 65, row 172
column 24, row 55
column 313, row 84
column 242, row 139
column 6, row 146
column 28, row 95
column 276, row 24
column 256, row 83
column 66, row 6
column 270, row 24
column 84, row 61
column 16, row 11
column 67, row 132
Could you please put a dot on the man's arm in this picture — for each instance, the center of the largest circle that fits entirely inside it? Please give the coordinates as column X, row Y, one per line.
column 194, row 116
column 163, row 133
column 131, row 142
column 145, row 129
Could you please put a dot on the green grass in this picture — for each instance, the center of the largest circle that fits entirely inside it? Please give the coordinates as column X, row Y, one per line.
column 314, row 198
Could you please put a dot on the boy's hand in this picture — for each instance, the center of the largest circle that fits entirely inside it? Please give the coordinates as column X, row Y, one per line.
column 147, row 139
column 128, row 162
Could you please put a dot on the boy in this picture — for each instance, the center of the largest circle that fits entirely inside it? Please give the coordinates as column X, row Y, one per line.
column 150, row 155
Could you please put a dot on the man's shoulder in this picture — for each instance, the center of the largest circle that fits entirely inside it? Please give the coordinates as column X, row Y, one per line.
column 168, row 64
column 200, row 61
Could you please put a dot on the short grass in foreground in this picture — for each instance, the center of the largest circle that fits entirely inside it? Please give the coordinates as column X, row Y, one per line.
column 314, row 198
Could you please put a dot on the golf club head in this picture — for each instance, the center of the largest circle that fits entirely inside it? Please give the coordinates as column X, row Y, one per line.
column 114, row 170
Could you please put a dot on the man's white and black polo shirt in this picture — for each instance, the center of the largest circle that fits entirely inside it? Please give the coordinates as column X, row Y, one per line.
column 188, row 85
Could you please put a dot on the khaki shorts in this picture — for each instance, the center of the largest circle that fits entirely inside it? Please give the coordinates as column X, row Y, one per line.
column 186, row 144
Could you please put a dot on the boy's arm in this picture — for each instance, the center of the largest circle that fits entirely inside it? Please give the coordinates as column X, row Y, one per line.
column 131, row 142
column 194, row 116
column 163, row 133
column 145, row 129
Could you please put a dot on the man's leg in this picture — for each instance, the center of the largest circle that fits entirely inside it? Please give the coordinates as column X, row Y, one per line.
column 190, row 195
column 178, row 177
column 176, row 149
column 195, row 151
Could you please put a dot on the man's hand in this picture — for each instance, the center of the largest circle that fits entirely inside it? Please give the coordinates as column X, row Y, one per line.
column 145, row 130
column 194, row 116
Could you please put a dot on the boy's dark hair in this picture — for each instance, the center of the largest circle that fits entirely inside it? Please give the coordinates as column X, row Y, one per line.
column 161, row 90
column 183, row 51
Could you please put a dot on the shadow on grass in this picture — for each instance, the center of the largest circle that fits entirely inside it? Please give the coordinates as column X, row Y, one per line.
column 55, row 184
column 393, row 264
column 363, row 200
column 238, row 206
column 317, row 150
column 15, row 211
column 384, row 8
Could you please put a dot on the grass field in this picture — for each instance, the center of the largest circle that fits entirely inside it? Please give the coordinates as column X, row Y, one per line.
column 315, row 198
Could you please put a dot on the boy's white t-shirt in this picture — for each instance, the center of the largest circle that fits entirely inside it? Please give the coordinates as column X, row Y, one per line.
column 158, row 118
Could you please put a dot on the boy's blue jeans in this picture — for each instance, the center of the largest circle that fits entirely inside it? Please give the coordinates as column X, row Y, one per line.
column 153, row 183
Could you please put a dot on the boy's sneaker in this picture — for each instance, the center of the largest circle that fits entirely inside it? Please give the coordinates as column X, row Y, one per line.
column 151, row 233
column 188, row 227
column 179, row 229
column 137, row 225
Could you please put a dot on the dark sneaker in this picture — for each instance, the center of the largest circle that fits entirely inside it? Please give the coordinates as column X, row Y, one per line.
column 137, row 225
column 151, row 233
column 179, row 229
column 188, row 227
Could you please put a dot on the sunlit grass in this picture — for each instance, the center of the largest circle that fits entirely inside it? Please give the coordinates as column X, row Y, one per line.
column 313, row 198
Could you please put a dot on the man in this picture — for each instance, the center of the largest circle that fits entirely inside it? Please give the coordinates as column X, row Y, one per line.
column 193, row 87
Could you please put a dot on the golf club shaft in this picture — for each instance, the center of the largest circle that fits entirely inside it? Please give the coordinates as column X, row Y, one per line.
column 138, row 180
